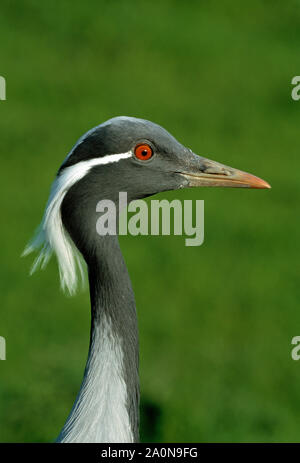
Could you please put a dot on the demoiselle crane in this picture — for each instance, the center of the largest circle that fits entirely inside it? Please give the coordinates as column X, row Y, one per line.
column 141, row 158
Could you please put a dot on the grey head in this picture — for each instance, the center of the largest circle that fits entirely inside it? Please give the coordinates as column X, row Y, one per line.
column 124, row 154
column 168, row 165
column 141, row 158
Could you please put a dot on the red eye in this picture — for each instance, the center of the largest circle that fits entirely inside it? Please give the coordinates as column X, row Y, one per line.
column 143, row 152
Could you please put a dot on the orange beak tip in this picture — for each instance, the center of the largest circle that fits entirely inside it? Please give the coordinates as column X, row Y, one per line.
column 261, row 184
column 253, row 182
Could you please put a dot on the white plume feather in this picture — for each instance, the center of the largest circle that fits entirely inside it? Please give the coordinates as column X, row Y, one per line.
column 51, row 236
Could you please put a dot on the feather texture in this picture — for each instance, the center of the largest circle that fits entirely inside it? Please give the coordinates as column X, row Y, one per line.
column 51, row 236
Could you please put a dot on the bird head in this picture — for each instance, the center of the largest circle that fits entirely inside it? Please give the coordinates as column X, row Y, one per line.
column 142, row 158
column 124, row 154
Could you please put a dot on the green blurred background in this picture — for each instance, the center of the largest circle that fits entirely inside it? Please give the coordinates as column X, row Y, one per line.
column 216, row 322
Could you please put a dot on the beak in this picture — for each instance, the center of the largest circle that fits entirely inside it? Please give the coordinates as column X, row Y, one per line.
column 204, row 172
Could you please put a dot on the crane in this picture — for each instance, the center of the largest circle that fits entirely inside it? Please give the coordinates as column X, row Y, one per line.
column 141, row 158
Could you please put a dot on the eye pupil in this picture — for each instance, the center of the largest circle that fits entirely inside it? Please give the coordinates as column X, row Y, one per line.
column 144, row 153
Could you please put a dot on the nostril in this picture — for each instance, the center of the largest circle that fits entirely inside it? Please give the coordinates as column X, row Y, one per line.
column 217, row 170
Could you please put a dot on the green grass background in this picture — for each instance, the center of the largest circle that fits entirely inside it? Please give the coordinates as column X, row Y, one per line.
column 216, row 322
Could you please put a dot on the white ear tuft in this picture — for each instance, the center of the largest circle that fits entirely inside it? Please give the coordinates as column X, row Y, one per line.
column 51, row 236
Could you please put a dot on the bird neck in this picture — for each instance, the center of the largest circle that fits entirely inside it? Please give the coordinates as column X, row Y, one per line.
column 107, row 406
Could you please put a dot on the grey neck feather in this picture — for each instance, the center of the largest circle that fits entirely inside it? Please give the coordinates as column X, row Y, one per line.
column 107, row 406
